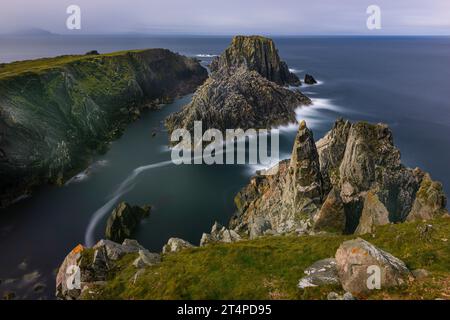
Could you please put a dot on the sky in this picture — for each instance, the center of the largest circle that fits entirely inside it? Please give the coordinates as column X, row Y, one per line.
column 227, row 17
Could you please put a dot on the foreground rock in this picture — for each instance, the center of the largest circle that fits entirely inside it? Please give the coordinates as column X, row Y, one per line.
column 53, row 120
column 85, row 268
column 123, row 221
column 175, row 245
column 350, row 181
column 322, row 272
column 356, row 261
column 219, row 234
column 243, row 91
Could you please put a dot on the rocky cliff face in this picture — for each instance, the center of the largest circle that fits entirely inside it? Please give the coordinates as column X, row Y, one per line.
column 243, row 91
column 255, row 53
column 55, row 113
column 350, row 181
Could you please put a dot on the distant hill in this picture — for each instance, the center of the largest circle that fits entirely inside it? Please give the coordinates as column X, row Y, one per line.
column 31, row 32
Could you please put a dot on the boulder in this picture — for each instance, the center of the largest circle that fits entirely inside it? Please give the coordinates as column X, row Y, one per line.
column 84, row 268
column 345, row 296
column 356, row 261
column 322, row 272
column 123, row 221
column 309, row 79
column 175, row 245
column 373, row 214
column 146, row 258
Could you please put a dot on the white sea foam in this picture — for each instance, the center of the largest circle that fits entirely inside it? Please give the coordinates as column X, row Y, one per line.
column 206, row 55
column 292, row 70
column 85, row 174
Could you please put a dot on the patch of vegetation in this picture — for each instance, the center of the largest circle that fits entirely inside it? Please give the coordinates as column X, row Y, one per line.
column 270, row 267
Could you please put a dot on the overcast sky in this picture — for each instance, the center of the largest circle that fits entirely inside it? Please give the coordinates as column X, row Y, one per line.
column 277, row 17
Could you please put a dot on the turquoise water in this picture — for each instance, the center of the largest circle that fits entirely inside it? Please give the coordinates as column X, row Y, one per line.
column 400, row 81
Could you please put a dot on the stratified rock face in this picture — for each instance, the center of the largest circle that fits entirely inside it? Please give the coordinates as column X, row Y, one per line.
column 352, row 180
column 54, row 117
column 357, row 263
column 243, row 99
column 123, row 221
column 255, row 53
column 244, row 91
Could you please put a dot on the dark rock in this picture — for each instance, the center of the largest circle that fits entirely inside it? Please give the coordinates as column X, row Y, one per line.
column 331, row 217
column 123, row 221
column 309, row 79
column 92, row 52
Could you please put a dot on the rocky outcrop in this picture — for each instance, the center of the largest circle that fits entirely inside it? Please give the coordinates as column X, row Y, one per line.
column 430, row 200
column 357, row 260
column 284, row 201
column 123, row 221
column 219, row 234
column 84, row 268
column 309, row 79
column 352, row 180
column 243, row 91
column 175, row 245
column 322, row 272
column 55, row 114
column 255, row 53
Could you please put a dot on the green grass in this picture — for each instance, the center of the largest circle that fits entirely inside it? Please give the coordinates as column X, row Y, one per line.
column 270, row 267
column 39, row 65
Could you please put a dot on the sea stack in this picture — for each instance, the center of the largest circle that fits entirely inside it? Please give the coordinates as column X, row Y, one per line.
column 247, row 88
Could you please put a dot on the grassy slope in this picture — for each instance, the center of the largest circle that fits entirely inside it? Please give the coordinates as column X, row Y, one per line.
column 270, row 267
column 38, row 65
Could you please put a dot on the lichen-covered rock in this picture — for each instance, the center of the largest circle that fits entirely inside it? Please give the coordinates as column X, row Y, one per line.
column 255, row 53
column 123, row 221
column 84, row 268
column 146, row 258
column 331, row 217
column 356, row 261
column 430, row 201
column 352, row 180
column 374, row 214
column 286, row 200
column 322, row 272
column 219, row 234
column 175, row 245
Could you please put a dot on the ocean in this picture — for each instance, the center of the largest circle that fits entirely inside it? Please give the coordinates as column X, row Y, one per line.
column 401, row 81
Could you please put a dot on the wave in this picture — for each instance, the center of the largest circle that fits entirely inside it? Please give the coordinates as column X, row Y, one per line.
column 85, row 174
column 206, row 55
column 292, row 70
column 126, row 186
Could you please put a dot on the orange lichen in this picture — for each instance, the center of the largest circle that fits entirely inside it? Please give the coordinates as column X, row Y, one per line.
column 78, row 249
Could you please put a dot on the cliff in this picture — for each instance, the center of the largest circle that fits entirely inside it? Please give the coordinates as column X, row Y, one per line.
column 245, row 90
column 350, row 181
column 255, row 53
column 56, row 113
